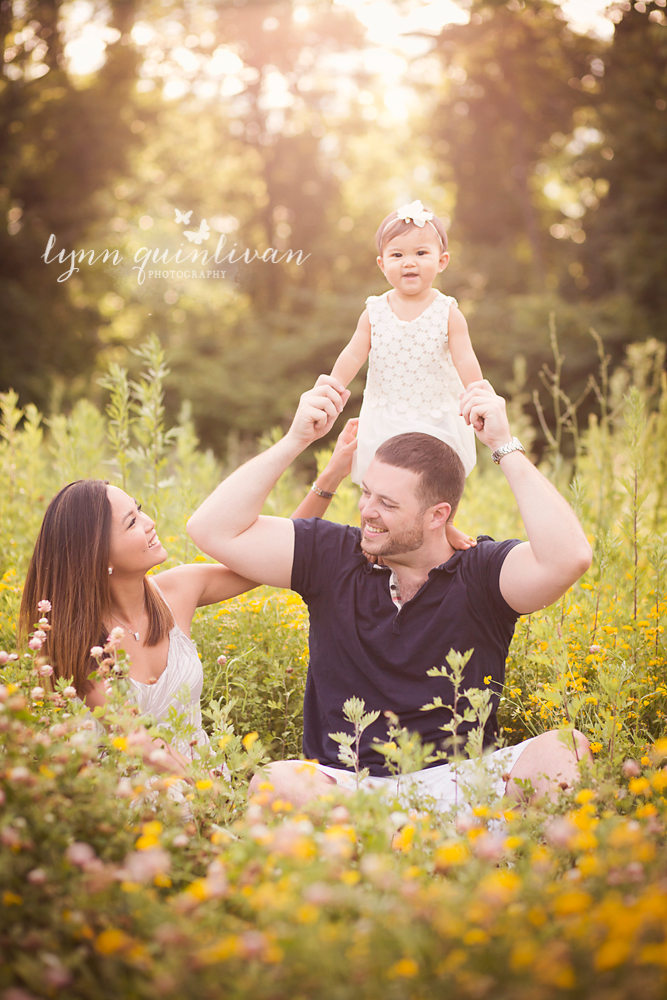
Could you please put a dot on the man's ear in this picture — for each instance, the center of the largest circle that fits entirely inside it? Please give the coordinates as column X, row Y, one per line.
column 440, row 515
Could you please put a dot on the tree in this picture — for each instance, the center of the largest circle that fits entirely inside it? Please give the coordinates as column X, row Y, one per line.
column 59, row 145
column 510, row 75
column 626, row 249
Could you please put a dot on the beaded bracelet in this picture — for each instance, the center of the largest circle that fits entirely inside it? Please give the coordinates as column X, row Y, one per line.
column 322, row 493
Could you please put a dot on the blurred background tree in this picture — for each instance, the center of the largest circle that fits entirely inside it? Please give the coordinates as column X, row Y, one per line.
column 283, row 126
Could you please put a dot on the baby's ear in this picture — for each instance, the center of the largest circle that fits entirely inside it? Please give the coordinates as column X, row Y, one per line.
column 444, row 261
column 380, row 263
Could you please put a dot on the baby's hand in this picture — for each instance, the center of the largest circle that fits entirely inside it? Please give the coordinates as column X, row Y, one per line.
column 457, row 539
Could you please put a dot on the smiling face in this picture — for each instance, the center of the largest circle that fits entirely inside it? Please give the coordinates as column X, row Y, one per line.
column 393, row 519
column 134, row 546
column 411, row 261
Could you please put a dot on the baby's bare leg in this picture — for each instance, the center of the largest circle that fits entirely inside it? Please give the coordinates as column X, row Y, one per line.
column 458, row 539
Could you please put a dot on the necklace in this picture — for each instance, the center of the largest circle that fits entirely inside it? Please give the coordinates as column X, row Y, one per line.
column 126, row 627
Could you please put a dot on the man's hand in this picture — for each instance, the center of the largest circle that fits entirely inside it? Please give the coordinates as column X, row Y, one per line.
column 485, row 410
column 317, row 411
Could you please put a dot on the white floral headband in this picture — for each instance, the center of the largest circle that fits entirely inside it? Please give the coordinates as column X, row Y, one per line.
column 417, row 214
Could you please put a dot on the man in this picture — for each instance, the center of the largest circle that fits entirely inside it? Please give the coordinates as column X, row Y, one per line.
column 375, row 630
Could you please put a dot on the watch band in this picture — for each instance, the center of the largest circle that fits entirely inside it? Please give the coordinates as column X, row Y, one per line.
column 513, row 445
column 322, row 493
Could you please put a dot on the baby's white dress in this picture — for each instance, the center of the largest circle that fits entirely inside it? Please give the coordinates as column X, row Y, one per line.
column 412, row 383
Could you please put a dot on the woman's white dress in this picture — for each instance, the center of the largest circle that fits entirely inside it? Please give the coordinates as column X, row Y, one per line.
column 179, row 686
column 412, row 384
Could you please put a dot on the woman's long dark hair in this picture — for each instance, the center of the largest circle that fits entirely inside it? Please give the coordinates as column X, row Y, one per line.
column 70, row 568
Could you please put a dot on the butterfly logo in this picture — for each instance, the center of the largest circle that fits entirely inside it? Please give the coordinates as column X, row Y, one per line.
column 198, row 235
column 183, row 217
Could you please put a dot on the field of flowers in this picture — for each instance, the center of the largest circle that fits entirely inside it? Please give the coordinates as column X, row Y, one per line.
column 118, row 883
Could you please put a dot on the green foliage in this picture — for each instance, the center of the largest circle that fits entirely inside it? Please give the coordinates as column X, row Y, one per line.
column 525, row 132
column 354, row 710
column 117, row 881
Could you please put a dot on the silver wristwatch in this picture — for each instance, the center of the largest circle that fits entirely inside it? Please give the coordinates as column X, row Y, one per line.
column 513, row 445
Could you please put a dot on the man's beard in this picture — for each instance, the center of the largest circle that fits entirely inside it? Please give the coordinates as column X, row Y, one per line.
column 396, row 543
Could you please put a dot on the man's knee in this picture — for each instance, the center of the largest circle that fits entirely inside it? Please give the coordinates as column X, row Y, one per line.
column 573, row 740
column 583, row 745
column 295, row 780
column 271, row 776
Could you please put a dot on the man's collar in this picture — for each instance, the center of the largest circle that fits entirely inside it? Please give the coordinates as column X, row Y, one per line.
column 449, row 566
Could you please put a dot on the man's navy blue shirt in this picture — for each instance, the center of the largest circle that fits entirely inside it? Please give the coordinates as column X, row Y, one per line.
column 362, row 645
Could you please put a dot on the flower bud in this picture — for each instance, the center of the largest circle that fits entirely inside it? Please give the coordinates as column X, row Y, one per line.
column 96, row 651
column 595, row 649
column 3, row 657
column 46, row 670
column 35, row 643
column 69, row 692
column 44, row 607
column 37, row 693
column 37, row 876
column 631, row 769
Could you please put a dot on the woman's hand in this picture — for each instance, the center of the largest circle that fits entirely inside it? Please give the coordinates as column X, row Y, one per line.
column 337, row 468
column 340, row 463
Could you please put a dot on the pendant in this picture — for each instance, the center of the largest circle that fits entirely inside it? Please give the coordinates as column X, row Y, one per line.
column 136, row 636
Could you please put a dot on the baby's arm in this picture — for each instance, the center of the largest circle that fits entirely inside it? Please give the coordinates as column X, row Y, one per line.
column 463, row 356
column 352, row 357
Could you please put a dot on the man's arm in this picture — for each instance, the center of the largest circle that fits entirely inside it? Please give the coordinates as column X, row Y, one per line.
column 539, row 571
column 228, row 525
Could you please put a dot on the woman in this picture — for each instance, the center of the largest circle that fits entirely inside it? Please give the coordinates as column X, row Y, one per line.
column 93, row 552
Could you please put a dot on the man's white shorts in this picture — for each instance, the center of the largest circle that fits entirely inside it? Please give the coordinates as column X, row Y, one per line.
column 448, row 785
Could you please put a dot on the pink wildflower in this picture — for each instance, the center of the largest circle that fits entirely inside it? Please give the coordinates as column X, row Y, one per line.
column 79, row 853
column 96, row 651
column 19, row 774
column 488, row 847
column 560, row 831
column 3, row 657
column 222, row 660
column 124, row 789
column 69, row 692
column 37, row 693
column 143, row 866
column 631, row 769
column 44, row 607
column 36, row 642
column 37, row 876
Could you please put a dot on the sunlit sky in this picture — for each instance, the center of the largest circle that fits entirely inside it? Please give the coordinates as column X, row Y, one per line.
column 386, row 27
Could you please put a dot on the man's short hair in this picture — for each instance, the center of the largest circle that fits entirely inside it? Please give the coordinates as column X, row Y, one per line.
column 441, row 469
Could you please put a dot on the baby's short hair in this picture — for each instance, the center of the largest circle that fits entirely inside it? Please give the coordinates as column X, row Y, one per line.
column 392, row 226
